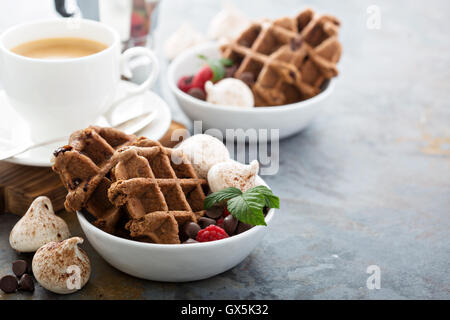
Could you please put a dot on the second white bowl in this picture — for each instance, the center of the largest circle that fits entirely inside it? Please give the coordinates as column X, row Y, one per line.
column 289, row 119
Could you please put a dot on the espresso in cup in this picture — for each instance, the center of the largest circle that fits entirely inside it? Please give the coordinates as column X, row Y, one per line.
column 59, row 48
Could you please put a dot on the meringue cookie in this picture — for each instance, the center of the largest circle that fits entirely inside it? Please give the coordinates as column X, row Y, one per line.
column 183, row 38
column 203, row 151
column 229, row 92
column 233, row 174
column 37, row 227
column 62, row 267
column 227, row 24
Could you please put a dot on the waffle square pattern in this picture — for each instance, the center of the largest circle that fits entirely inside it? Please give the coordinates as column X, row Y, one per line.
column 132, row 186
column 290, row 59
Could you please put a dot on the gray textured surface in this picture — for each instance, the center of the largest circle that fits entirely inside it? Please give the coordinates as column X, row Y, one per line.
column 368, row 183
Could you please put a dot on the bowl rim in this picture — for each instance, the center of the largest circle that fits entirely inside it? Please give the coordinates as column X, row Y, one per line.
column 83, row 221
column 207, row 105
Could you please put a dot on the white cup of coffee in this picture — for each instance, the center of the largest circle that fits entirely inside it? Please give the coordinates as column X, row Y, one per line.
column 60, row 75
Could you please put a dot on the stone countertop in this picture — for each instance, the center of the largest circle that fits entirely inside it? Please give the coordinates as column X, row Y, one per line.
column 367, row 183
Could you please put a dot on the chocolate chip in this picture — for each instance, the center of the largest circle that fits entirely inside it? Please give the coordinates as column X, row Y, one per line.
column 76, row 182
column 248, row 78
column 230, row 224
column 8, row 284
column 190, row 241
column 62, row 150
column 242, row 227
column 204, row 222
column 197, row 93
column 214, row 212
column 229, row 71
column 26, row 283
column 190, row 229
column 292, row 74
column 296, row 43
column 19, row 267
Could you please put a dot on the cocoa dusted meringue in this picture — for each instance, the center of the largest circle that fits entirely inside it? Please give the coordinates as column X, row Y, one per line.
column 62, row 267
column 37, row 227
column 182, row 39
column 229, row 92
column 233, row 174
column 203, row 151
column 227, row 24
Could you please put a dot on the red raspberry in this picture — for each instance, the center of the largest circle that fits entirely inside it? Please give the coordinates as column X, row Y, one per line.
column 211, row 233
column 185, row 83
column 225, row 212
column 201, row 77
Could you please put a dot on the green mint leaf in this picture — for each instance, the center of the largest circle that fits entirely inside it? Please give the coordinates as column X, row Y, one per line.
column 248, row 208
column 270, row 200
column 202, row 57
column 226, row 62
column 220, row 196
column 218, row 70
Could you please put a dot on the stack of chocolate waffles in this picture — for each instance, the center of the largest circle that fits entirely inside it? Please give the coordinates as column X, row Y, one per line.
column 289, row 59
column 134, row 187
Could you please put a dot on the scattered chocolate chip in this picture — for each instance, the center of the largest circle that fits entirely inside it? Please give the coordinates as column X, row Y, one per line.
column 230, row 224
column 292, row 74
column 229, row 71
column 242, row 227
column 190, row 241
column 296, row 43
column 19, row 267
column 204, row 222
column 62, row 150
column 8, row 284
column 190, row 229
column 248, row 78
column 26, row 283
column 197, row 93
column 76, row 182
column 214, row 212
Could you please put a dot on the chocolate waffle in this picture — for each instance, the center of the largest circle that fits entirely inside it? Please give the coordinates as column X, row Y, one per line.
column 160, row 190
column 290, row 58
column 84, row 168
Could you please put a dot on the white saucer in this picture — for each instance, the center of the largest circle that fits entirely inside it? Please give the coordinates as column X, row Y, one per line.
column 14, row 130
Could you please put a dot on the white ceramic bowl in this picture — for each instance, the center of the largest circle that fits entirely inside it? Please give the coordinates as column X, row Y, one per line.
column 174, row 262
column 290, row 118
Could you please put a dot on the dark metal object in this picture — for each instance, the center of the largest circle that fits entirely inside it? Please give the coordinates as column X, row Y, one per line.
column 60, row 7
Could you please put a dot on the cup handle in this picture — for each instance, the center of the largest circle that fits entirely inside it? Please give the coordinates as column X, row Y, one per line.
column 126, row 71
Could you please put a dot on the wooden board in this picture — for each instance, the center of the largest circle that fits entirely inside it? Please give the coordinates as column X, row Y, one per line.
column 20, row 185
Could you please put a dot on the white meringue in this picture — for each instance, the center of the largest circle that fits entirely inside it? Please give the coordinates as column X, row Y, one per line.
column 233, row 174
column 227, row 24
column 62, row 267
column 37, row 227
column 229, row 92
column 203, row 151
column 183, row 38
